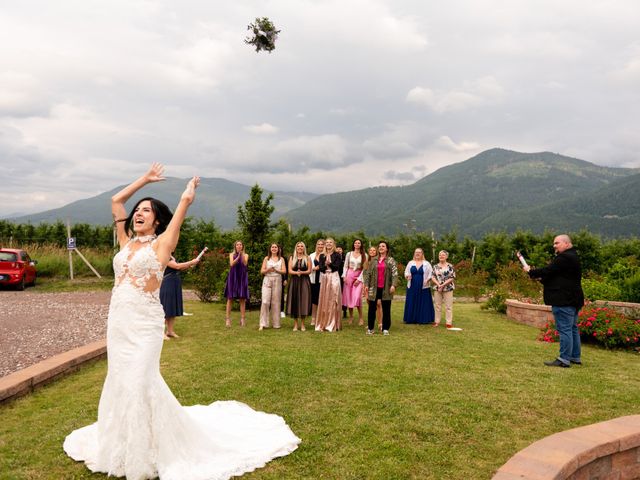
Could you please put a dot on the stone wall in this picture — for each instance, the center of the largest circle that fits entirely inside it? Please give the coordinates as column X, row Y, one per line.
column 603, row 451
column 528, row 313
column 538, row 315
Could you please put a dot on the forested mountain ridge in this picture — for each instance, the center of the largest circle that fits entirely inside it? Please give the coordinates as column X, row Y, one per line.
column 496, row 190
column 217, row 199
column 493, row 191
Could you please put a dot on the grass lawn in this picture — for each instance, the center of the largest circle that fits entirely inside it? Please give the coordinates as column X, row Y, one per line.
column 422, row 403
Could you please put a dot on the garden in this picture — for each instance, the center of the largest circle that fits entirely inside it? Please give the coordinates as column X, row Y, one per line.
column 422, row 403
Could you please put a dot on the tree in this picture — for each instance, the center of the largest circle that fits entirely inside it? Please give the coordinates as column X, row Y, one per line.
column 253, row 220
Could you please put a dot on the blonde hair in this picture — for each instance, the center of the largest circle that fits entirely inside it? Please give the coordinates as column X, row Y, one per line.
column 294, row 257
column 326, row 240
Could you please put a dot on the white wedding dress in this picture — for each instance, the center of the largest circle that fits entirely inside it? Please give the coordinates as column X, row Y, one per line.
column 142, row 431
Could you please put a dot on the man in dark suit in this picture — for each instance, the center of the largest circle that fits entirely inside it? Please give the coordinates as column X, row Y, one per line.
column 562, row 289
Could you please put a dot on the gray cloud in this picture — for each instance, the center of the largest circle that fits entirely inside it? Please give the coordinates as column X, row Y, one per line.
column 412, row 85
column 401, row 176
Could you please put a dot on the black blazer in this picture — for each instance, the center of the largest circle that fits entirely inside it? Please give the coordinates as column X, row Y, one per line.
column 335, row 264
column 561, row 280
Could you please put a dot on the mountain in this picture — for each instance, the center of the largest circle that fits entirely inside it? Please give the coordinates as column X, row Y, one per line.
column 217, row 199
column 497, row 190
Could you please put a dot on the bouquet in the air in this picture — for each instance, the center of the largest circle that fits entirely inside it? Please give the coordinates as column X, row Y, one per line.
column 264, row 34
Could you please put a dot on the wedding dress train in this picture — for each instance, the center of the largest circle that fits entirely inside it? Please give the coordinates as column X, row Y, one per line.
column 142, row 431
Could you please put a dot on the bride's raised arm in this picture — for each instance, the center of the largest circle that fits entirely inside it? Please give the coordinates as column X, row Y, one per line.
column 154, row 174
column 168, row 240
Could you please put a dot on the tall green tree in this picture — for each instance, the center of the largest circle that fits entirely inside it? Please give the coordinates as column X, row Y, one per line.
column 254, row 221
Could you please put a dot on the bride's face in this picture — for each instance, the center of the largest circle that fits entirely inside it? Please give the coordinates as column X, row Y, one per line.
column 144, row 220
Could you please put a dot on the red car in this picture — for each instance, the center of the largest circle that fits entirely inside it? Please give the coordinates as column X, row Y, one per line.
column 16, row 268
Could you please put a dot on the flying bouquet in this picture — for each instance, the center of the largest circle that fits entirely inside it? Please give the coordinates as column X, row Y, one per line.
column 264, row 35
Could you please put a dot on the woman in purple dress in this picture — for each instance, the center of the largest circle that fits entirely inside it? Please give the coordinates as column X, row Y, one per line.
column 237, row 281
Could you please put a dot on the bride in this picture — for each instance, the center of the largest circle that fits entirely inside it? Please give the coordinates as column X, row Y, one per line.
column 142, row 431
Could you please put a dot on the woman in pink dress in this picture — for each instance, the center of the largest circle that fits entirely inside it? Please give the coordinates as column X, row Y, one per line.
column 354, row 263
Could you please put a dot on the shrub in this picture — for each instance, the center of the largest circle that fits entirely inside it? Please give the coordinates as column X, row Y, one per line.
column 596, row 289
column 210, row 275
column 497, row 301
column 631, row 289
column 608, row 326
column 469, row 281
column 602, row 325
column 548, row 333
column 513, row 282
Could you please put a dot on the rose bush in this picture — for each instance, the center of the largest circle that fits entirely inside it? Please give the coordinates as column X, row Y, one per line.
column 602, row 325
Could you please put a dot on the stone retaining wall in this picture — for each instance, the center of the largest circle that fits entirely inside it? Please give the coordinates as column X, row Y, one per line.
column 603, row 451
column 538, row 315
column 528, row 313
column 26, row 380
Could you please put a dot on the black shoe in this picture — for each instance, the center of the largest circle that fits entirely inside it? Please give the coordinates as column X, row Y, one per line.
column 576, row 362
column 557, row 363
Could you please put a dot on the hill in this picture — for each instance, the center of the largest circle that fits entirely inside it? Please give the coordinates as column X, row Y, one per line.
column 497, row 190
column 218, row 199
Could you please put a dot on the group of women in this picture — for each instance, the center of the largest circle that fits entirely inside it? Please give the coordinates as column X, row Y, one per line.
column 325, row 285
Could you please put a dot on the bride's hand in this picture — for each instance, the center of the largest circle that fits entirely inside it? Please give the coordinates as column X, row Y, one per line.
column 155, row 173
column 190, row 192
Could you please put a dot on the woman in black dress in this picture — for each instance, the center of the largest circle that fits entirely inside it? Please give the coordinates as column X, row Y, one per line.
column 299, row 294
column 171, row 294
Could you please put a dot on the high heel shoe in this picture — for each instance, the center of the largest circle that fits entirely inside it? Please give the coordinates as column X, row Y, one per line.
column 242, row 321
column 227, row 322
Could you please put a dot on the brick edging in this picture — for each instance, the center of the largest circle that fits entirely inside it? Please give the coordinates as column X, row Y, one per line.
column 24, row 381
column 570, row 454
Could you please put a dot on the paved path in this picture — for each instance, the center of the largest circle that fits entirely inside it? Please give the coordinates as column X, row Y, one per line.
column 35, row 326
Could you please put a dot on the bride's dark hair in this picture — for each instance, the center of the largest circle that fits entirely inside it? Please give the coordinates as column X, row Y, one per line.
column 161, row 212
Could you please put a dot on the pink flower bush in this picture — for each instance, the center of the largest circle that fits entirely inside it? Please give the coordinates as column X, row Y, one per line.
column 603, row 325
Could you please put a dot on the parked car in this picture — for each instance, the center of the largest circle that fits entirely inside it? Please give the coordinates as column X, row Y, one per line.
column 16, row 268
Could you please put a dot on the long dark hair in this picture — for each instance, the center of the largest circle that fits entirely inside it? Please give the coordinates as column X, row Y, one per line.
column 161, row 212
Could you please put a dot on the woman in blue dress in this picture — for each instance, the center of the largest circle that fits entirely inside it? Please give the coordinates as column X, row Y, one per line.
column 418, row 307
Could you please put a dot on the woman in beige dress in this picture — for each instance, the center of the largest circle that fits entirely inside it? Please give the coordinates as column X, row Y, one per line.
column 330, row 301
column 272, row 269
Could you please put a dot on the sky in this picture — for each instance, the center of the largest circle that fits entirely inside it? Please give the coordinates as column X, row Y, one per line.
column 357, row 93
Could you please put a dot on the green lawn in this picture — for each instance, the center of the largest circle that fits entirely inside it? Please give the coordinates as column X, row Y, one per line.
column 422, row 403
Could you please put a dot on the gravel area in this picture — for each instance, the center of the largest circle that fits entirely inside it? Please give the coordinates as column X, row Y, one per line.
column 35, row 326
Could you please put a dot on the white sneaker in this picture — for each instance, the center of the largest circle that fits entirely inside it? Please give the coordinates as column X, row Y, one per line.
column 281, row 314
column 370, row 332
column 385, row 332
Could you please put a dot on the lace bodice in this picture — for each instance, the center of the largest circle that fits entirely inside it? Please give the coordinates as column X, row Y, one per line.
column 137, row 264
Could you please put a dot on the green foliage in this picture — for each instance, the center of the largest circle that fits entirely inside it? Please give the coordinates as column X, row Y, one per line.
column 470, row 282
column 514, row 283
column 598, row 289
column 631, row 288
column 496, row 300
column 209, row 276
column 254, row 222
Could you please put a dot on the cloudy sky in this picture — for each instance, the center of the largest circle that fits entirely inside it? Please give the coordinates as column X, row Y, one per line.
column 357, row 93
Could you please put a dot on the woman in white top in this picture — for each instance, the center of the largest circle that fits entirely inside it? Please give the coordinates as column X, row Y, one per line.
column 418, row 306
column 315, row 278
column 272, row 269
column 354, row 263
